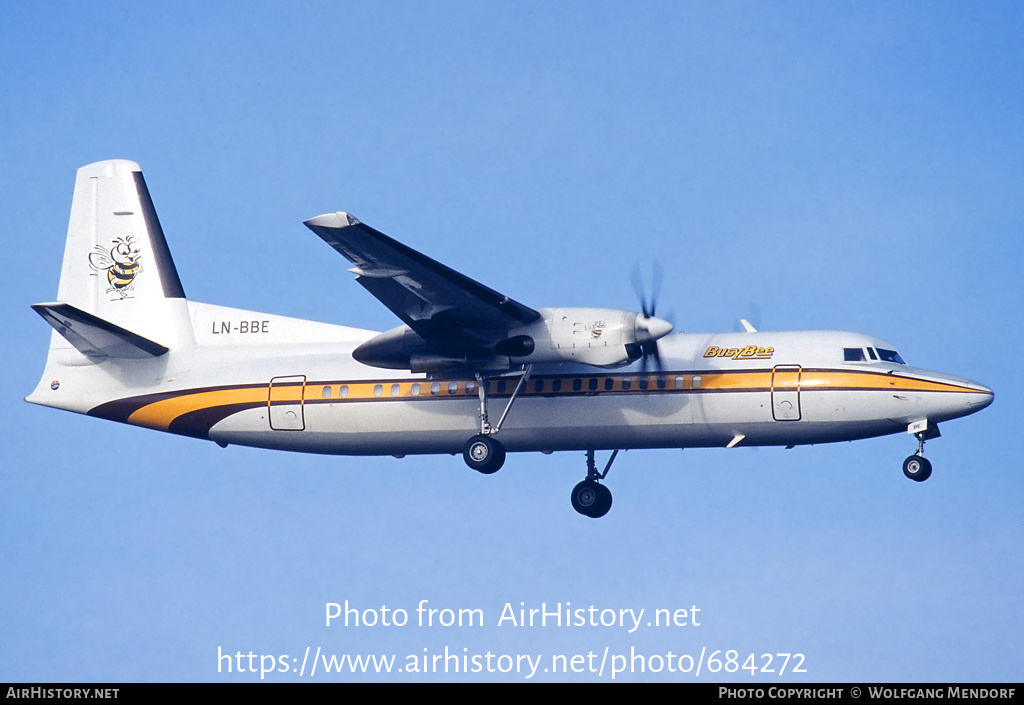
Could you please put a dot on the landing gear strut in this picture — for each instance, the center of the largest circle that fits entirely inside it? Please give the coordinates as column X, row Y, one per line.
column 483, row 452
column 917, row 467
column 590, row 498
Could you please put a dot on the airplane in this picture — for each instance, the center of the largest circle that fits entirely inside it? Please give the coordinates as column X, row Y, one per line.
column 128, row 346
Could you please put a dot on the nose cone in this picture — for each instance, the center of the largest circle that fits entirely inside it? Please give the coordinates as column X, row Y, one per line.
column 956, row 397
column 975, row 397
column 649, row 328
column 982, row 398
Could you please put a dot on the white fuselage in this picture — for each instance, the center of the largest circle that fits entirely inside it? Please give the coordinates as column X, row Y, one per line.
column 275, row 382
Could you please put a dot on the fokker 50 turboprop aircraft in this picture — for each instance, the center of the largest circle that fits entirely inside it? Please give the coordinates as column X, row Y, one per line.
column 128, row 346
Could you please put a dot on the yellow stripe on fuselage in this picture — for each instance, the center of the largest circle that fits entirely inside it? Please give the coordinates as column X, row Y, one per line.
column 160, row 414
column 838, row 379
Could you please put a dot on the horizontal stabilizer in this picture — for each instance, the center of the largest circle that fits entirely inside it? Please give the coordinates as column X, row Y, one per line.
column 94, row 337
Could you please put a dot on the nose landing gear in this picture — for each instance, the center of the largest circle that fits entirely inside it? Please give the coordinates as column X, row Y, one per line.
column 917, row 467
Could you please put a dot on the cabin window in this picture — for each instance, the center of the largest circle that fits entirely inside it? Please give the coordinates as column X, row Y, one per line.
column 890, row 356
column 680, row 381
column 453, row 387
column 326, row 394
column 853, row 355
column 609, row 383
column 577, row 385
column 627, row 382
column 470, row 387
column 592, row 384
column 644, row 382
column 696, row 382
column 378, row 390
column 502, row 386
column 538, row 386
column 661, row 383
column 435, row 388
column 556, row 385
column 343, row 392
column 415, row 389
column 396, row 389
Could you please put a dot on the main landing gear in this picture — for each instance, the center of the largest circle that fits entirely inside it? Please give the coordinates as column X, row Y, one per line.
column 590, row 498
column 483, row 452
column 917, row 467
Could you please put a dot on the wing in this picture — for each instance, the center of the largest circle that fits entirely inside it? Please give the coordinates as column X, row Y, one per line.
column 442, row 306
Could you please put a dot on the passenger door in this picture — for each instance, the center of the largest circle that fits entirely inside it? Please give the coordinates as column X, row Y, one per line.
column 786, row 392
column 285, row 403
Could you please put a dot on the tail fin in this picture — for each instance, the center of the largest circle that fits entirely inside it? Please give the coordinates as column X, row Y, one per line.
column 117, row 267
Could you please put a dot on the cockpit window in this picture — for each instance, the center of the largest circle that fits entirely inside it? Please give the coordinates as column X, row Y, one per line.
column 890, row 356
column 873, row 354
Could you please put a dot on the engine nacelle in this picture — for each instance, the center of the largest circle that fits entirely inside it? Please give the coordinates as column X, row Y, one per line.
column 402, row 348
column 391, row 350
column 591, row 336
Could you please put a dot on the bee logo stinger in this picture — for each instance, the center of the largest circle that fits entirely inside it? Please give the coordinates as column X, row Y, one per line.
column 122, row 263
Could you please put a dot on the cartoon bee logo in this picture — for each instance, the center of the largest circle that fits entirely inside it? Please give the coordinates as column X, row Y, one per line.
column 122, row 263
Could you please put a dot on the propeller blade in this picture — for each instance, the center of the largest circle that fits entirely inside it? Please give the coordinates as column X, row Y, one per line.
column 657, row 275
column 650, row 358
column 651, row 329
column 638, row 287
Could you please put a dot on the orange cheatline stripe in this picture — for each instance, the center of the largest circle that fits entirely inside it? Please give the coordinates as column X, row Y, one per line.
column 734, row 380
column 160, row 414
column 810, row 380
column 852, row 380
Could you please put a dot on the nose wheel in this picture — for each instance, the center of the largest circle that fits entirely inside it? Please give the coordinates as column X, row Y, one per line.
column 917, row 468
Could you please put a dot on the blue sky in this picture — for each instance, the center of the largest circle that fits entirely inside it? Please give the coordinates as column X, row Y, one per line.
column 816, row 165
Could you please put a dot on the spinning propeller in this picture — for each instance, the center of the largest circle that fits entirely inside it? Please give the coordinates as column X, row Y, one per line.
column 649, row 329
